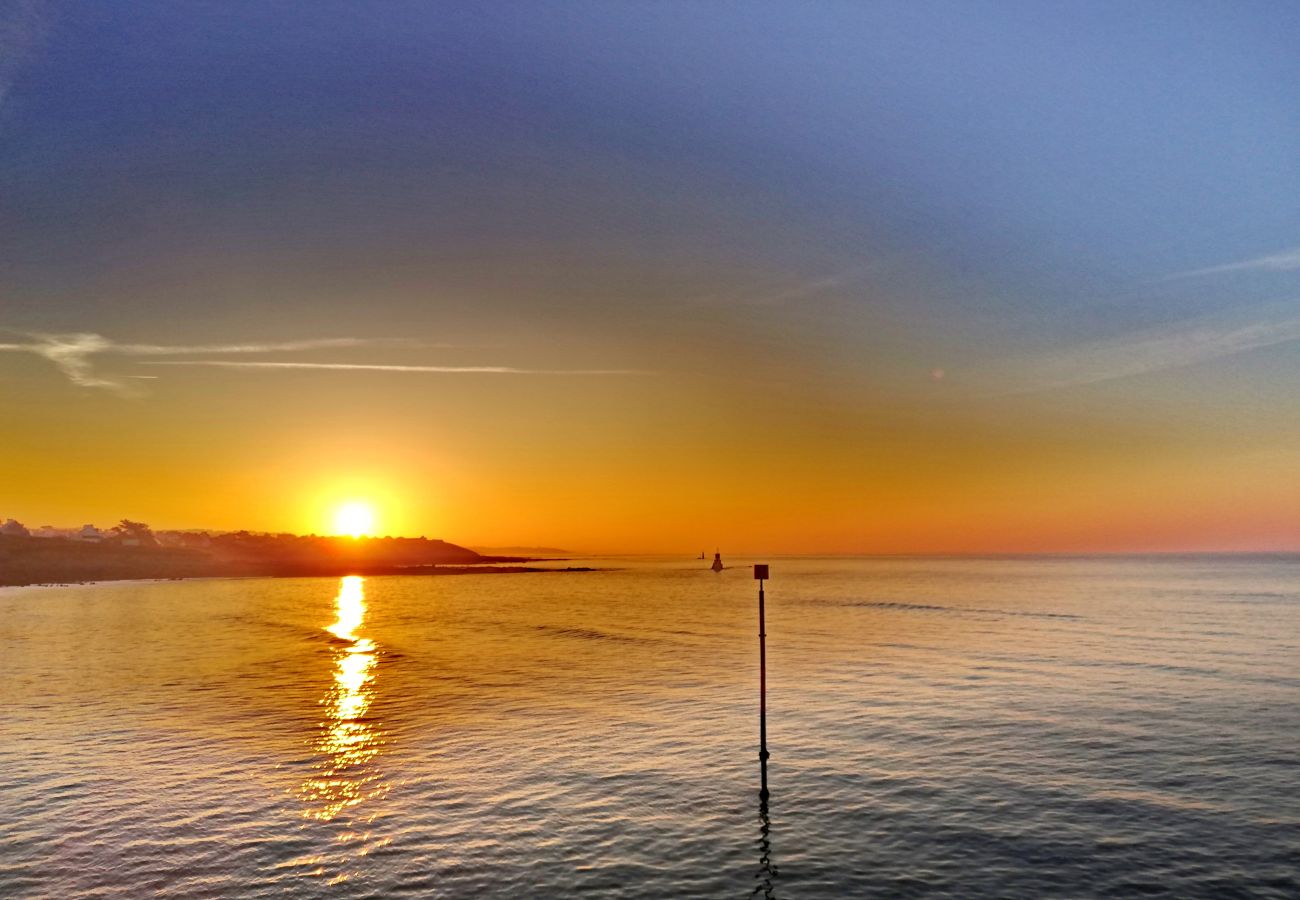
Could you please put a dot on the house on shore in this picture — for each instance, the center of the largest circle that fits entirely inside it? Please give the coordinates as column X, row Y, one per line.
column 89, row 534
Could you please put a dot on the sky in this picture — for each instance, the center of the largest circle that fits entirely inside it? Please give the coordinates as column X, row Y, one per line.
column 898, row 277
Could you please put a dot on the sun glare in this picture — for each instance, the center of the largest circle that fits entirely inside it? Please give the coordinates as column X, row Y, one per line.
column 354, row 519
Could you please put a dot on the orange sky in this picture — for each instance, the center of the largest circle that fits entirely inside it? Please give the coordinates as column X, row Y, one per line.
column 653, row 463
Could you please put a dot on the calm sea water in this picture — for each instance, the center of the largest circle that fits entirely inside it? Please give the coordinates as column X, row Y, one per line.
column 958, row 728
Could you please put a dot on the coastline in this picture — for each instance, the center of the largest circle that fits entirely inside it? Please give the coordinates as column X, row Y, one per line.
column 31, row 560
column 332, row 572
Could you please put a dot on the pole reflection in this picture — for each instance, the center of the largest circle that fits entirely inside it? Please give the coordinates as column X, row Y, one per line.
column 348, row 739
column 765, row 877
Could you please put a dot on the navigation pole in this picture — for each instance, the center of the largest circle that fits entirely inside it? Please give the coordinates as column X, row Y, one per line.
column 760, row 575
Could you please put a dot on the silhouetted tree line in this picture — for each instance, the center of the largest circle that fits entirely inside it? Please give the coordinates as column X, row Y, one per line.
column 133, row 550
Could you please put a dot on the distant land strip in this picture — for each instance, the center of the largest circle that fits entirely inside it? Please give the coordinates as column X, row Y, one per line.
column 140, row 555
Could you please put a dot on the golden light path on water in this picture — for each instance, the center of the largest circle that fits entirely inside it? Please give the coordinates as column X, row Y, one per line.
column 347, row 740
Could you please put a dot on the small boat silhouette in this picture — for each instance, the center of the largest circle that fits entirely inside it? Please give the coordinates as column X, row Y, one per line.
column 717, row 562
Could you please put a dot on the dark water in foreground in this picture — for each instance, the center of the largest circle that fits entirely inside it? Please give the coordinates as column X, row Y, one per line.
column 972, row 728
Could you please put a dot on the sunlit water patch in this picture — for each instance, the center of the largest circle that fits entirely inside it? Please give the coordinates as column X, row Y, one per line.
column 344, row 775
column 348, row 740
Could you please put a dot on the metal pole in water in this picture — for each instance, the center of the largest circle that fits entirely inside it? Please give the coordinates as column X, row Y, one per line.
column 760, row 574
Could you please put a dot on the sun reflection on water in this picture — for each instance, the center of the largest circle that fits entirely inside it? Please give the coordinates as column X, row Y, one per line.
column 348, row 739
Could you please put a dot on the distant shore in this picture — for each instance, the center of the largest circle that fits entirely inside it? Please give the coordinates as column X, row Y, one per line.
column 27, row 560
column 419, row 571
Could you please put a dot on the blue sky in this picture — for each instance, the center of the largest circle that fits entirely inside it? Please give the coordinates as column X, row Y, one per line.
column 1047, row 156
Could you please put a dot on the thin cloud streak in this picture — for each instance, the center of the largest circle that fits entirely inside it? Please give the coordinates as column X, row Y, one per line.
column 802, row 290
column 1287, row 261
column 1177, row 346
column 381, row 367
column 287, row 346
column 74, row 355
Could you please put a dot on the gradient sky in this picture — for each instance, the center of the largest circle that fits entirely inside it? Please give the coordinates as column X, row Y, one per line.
column 796, row 277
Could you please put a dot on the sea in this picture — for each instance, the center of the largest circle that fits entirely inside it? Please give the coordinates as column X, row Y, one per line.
column 957, row 728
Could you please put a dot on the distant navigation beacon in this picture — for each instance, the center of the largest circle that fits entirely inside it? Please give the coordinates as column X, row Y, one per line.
column 717, row 562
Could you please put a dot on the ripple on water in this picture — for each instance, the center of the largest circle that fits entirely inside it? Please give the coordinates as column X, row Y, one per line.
column 952, row 728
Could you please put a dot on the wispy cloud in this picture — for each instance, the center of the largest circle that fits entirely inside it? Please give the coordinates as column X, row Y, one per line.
column 72, row 354
column 1171, row 347
column 1287, row 261
column 802, row 290
column 75, row 355
column 282, row 347
column 381, row 367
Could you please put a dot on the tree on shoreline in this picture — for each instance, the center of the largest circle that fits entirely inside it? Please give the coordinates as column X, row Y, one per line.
column 134, row 533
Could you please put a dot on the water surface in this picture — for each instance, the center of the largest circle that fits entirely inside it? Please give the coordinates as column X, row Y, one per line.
column 939, row 728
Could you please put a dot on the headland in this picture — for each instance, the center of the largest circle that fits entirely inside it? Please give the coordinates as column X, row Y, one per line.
column 132, row 551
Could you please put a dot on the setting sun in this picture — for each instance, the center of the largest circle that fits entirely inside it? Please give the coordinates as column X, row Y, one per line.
column 354, row 519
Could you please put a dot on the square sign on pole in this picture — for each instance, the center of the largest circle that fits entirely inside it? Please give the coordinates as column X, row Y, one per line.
column 760, row 572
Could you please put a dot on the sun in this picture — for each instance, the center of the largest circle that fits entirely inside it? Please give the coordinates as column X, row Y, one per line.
column 354, row 519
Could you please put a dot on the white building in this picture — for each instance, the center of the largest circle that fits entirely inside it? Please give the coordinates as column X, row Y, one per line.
column 90, row 534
